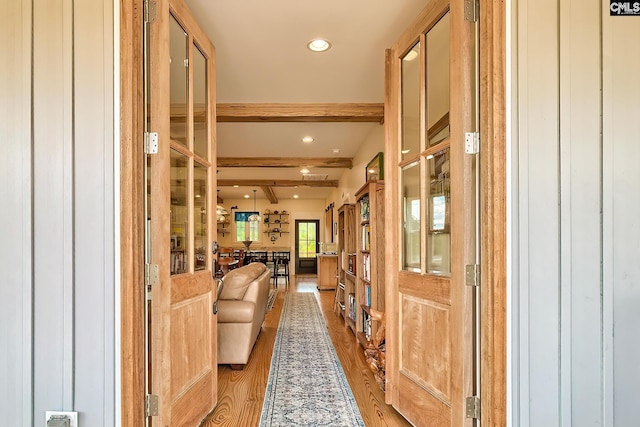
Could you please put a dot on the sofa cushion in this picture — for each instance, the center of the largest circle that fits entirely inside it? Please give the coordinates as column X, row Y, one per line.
column 235, row 311
column 237, row 281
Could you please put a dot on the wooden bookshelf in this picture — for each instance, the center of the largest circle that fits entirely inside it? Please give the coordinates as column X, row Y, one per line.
column 369, row 257
column 347, row 265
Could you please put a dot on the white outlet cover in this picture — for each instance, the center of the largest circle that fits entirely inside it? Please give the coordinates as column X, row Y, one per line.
column 73, row 416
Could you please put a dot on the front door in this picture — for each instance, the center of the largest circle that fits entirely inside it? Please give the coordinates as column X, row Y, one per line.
column 307, row 246
column 180, row 106
column 432, row 347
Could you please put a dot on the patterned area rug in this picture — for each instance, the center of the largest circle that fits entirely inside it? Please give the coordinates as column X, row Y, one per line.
column 273, row 293
column 306, row 386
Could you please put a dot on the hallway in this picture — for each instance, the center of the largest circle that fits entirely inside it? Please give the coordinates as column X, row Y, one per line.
column 241, row 392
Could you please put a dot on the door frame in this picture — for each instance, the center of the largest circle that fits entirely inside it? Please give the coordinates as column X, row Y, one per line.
column 493, row 206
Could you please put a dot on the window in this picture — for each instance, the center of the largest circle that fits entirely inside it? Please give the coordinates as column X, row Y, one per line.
column 245, row 229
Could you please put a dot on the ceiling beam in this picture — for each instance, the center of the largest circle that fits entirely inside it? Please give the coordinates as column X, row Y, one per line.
column 276, row 183
column 268, row 192
column 284, row 162
column 318, row 112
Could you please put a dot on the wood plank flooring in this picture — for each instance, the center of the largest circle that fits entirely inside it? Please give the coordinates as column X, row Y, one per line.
column 240, row 393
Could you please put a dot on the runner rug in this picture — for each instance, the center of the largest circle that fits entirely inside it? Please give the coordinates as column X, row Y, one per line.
column 306, row 386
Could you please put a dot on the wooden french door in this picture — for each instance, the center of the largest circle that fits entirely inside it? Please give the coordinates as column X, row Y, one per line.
column 181, row 340
column 432, row 347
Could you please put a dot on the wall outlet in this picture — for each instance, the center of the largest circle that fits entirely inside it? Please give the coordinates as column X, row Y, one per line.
column 73, row 417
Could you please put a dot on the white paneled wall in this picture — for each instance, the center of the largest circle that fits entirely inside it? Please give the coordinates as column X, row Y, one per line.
column 57, row 218
column 576, row 192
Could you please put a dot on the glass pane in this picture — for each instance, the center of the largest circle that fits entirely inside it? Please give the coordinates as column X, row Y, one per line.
column 411, row 220
column 437, row 65
column 200, row 216
column 199, row 104
column 438, row 211
column 241, row 231
column 179, row 213
column 411, row 103
column 306, row 239
column 253, row 230
column 179, row 81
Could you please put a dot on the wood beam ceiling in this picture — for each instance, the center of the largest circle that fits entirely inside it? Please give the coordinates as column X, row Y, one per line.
column 303, row 112
column 268, row 192
column 286, row 162
column 276, row 183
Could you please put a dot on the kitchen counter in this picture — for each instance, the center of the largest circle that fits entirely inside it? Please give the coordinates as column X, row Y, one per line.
column 327, row 271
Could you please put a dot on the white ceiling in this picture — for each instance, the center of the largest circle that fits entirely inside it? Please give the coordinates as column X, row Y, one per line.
column 261, row 56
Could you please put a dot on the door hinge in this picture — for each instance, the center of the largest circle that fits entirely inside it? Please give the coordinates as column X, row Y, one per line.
column 150, row 10
column 150, row 278
column 151, row 405
column 471, row 10
column 473, row 407
column 151, row 143
column 471, row 142
column 472, row 274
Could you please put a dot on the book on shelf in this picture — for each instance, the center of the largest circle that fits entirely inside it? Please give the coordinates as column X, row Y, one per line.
column 364, row 208
column 366, row 267
column 366, row 237
column 351, row 263
column 352, row 307
column 367, row 295
column 366, row 325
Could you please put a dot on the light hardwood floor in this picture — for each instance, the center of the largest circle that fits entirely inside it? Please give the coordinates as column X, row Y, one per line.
column 240, row 393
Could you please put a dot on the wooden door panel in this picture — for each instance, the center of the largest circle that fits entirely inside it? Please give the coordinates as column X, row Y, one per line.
column 425, row 346
column 189, row 408
column 192, row 362
column 424, row 409
column 190, row 342
column 433, row 288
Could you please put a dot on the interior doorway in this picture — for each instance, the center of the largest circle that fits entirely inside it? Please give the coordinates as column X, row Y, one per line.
column 307, row 245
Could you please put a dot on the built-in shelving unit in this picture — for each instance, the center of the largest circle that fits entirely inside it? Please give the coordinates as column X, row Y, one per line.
column 369, row 258
column 347, row 266
column 276, row 223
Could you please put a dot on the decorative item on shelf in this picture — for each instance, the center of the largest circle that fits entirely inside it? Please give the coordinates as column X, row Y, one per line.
column 275, row 212
column 375, row 168
column 221, row 213
column 267, row 211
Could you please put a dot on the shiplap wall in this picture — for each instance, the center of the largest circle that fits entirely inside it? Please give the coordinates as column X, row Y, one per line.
column 576, row 197
column 57, row 180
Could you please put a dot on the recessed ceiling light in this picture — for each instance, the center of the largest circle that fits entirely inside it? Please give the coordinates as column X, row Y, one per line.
column 307, row 139
column 372, row 171
column 405, row 151
column 198, row 196
column 319, row 45
column 295, row 196
column 246, row 196
column 236, row 186
column 336, row 150
column 304, row 170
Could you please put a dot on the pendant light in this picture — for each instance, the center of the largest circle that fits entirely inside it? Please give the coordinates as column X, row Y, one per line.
column 254, row 217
